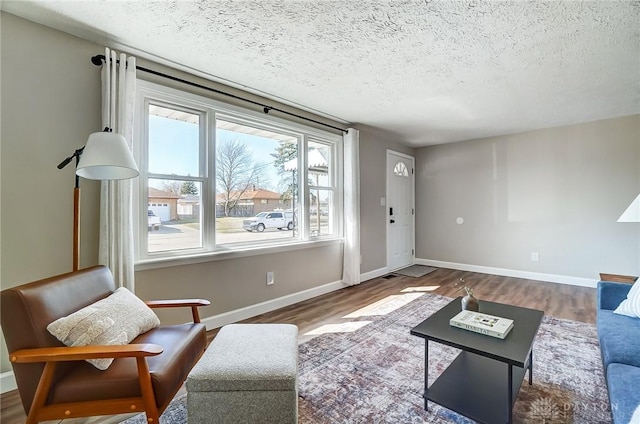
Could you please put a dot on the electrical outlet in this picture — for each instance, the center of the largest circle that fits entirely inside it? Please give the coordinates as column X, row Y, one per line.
column 535, row 257
column 270, row 278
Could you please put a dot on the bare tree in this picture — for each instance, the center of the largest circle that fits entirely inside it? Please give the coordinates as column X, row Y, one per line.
column 236, row 172
column 172, row 186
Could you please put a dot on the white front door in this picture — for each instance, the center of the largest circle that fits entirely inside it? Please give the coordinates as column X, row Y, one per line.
column 400, row 210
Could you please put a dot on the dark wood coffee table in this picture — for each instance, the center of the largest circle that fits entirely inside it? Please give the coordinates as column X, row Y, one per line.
column 483, row 381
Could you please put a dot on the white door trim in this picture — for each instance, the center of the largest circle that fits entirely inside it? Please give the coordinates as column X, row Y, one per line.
column 413, row 206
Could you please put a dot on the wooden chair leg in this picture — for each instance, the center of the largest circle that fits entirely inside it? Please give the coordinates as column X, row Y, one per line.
column 42, row 392
column 146, row 388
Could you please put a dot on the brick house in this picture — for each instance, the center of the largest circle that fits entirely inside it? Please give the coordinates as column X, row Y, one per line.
column 164, row 204
column 252, row 202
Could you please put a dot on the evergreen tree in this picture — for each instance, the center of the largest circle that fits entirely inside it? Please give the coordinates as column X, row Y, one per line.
column 288, row 177
column 189, row 187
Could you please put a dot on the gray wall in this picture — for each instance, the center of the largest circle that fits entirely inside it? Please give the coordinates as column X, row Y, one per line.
column 238, row 283
column 373, row 182
column 556, row 191
column 50, row 104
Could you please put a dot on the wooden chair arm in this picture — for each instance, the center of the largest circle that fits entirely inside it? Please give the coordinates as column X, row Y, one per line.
column 78, row 353
column 180, row 303
column 176, row 303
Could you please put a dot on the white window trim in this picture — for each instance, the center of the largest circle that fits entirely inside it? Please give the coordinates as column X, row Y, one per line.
column 209, row 252
column 234, row 254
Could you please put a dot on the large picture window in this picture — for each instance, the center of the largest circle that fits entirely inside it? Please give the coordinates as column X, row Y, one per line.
column 216, row 178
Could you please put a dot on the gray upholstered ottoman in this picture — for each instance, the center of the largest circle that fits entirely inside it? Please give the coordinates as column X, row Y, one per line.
column 248, row 374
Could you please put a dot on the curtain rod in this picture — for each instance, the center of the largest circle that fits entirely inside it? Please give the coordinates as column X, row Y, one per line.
column 100, row 59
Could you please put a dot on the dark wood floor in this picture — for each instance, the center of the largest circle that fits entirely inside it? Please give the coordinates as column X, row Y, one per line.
column 558, row 300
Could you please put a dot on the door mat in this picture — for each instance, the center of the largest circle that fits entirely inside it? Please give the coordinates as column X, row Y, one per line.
column 415, row 271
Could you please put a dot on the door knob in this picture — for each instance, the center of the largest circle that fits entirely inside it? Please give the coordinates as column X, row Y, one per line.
column 392, row 221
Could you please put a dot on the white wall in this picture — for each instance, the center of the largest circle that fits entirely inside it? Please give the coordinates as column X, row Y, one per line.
column 556, row 191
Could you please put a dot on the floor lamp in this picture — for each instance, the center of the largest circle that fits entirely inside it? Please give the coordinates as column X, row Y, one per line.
column 106, row 156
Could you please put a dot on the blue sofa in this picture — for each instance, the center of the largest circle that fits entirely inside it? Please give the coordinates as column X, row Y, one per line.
column 619, row 338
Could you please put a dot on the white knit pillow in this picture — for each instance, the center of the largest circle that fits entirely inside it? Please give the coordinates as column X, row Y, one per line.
column 115, row 320
column 631, row 305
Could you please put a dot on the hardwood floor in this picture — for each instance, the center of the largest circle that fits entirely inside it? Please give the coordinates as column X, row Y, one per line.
column 558, row 300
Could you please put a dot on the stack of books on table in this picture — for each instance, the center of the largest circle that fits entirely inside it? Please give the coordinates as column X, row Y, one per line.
column 482, row 323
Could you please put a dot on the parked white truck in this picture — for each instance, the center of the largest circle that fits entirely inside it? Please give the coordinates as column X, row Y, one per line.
column 273, row 219
column 154, row 221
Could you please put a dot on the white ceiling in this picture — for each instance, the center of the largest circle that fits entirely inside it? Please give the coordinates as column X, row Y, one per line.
column 425, row 72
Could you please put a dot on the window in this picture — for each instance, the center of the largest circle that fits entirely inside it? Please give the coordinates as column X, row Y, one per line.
column 250, row 171
column 401, row 170
column 320, row 188
column 221, row 178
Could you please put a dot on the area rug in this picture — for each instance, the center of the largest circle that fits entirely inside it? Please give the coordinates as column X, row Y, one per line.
column 373, row 372
column 415, row 271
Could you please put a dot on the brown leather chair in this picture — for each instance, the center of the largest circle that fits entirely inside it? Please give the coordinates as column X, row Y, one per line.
column 55, row 381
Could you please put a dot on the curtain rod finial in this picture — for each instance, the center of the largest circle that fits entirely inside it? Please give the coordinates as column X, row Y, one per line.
column 98, row 59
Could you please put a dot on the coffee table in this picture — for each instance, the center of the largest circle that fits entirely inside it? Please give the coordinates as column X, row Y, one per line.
column 483, row 381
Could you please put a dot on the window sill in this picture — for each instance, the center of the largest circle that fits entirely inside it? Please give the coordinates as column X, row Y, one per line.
column 222, row 255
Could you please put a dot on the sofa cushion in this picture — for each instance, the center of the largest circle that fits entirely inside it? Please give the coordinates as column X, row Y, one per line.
column 115, row 320
column 631, row 305
column 622, row 381
column 619, row 338
column 611, row 294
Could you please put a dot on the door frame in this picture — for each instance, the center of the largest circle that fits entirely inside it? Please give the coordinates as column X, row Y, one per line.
column 413, row 206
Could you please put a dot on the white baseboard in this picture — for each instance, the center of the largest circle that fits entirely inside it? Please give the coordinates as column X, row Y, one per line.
column 236, row 315
column 7, row 382
column 551, row 278
column 374, row 274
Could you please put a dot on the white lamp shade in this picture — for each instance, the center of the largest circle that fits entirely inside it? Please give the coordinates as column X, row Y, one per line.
column 632, row 214
column 106, row 156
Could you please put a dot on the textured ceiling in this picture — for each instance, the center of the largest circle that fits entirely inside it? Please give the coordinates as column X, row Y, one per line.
column 426, row 72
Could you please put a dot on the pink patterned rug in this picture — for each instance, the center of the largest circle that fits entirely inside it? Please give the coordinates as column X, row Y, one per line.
column 369, row 369
column 375, row 374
